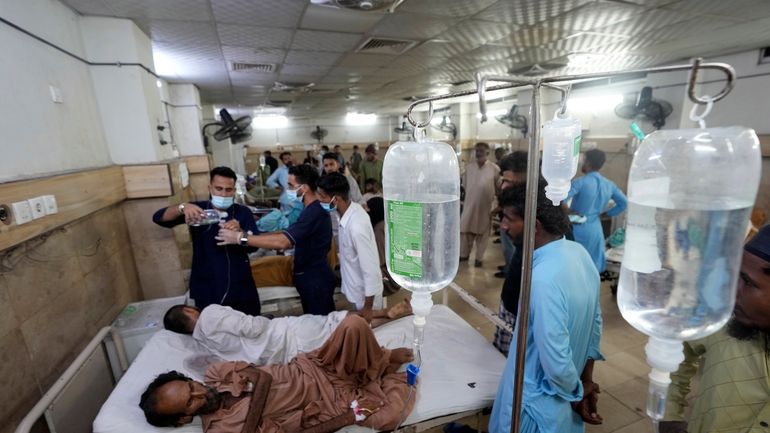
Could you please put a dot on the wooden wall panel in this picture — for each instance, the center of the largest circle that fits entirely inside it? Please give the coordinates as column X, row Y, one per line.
column 77, row 195
column 198, row 164
column 145, row 181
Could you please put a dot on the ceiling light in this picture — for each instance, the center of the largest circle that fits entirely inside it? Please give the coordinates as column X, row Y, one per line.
column 595, row 103
column 360, row 119
column 270, row 121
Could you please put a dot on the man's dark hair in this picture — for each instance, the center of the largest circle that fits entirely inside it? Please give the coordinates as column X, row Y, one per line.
column 325, row 147
column 482, row 145
column 516, row 162
column 331, row 155
column 373, row 181
column 552, row 218
column 283, row 154
column 335, row 184
column 306, row 175
column 224, row 172
column 596, row 158
column 268, row 153
column 149, row 401
column 177, row 321
column 355, row 147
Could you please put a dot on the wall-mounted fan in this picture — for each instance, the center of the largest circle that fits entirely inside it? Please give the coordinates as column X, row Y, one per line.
column 645, row 107
column 514, row 120
column 361, row 5
column 405, row 128
column 447, row 126
column 318, row 134
column 238, row 130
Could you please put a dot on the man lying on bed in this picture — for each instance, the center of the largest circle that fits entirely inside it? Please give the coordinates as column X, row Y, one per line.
column 349, row 380
column 263, row 341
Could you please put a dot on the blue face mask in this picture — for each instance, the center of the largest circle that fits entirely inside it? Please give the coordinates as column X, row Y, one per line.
column 328, row 206
column 292, row 194
column 220, row 202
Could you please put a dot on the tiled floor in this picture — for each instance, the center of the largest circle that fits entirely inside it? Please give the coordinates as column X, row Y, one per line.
column 622, row 378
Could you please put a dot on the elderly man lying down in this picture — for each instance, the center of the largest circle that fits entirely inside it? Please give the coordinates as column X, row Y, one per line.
column 263, row 341
column 349, row 380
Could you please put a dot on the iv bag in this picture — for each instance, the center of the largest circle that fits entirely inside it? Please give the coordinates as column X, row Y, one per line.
column 561, row 150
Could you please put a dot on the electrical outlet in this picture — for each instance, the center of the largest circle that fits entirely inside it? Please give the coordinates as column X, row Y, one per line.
column 37, row 206
column 50, row 204
column 22, row 213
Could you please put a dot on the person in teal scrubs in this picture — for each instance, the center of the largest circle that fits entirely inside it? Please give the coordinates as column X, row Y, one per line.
column 590, row 195
column 564, row 328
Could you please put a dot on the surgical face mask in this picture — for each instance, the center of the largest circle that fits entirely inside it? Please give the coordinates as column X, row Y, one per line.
column 328, row 206
column 292, row 194
column 220, row 202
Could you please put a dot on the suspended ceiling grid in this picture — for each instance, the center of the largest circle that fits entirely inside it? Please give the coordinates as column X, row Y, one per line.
column 198, row 40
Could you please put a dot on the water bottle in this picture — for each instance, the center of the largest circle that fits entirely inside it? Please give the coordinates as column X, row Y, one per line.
column 210, row 216
column 562, row 137
column 421, row 190
column 690, row 195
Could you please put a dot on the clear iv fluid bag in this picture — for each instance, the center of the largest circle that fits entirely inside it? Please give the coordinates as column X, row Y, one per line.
column 561, row 151
column 421, row 190
column 690, row 196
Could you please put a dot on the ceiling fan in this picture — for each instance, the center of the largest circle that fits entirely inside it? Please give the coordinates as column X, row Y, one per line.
column 237, row 130
column 405, row 128
column 514, row 120
column 447, row 126
column 318, row 134
column 361, row 5
column 645, row 107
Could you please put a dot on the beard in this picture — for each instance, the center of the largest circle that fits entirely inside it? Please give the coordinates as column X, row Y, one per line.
column 745, row 332
column 213, row 401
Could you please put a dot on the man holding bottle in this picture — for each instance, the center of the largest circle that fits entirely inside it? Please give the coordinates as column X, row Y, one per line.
column 218, row 275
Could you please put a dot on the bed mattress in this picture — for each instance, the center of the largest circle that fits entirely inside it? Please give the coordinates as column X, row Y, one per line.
column 460, row 372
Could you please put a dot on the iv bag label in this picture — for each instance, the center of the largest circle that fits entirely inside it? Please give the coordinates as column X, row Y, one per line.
column 405, row 238
column 576, row 145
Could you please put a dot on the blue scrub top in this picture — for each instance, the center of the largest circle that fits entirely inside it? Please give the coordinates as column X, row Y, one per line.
column 590, row 195
column 218, row 271
column 565, row 326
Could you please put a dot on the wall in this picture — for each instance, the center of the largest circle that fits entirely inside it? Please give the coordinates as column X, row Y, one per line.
column 56, row 291
column 298, row 132
column 40, row 136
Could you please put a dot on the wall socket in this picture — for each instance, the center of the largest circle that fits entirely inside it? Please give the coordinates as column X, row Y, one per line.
column 37, row 206
column 50, row 204
column 22, row 212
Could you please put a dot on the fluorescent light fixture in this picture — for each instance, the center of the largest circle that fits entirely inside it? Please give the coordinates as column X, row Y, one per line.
column 595, row 103
column 493, row 113
column 270, row 121
column 360, row 119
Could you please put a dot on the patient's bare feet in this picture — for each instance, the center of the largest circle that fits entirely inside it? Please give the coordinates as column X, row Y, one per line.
column 403, row 308
column 402, row 355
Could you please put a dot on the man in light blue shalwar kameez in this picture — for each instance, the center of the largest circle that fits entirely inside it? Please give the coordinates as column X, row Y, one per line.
column 564, row 328
column 590, row 195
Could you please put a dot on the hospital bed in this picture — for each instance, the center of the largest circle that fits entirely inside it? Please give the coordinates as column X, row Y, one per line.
column 459, row 375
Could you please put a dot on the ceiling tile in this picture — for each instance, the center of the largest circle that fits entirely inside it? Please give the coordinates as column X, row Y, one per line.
column 319, row 58
column 492, row 52
column 187, row 52
column 535, row 36
column 248, row 36
column 180, row 10
column 413, row 64
column 268, row 13
column 90, row 7
column 253, row 55
column 314, row 71
column 746, row 10
column 595, row 15
column 182, row 33
column 473, row 33
column 450, row 8
column 412, row 26
column 324, row 41
column 437, row 49
column 528, row 12
column 338, row 20
column 644, row 23
column 365, row 60
column 585, row 41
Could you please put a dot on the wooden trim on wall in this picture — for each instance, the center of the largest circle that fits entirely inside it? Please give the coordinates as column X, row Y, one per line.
column 146, row 181
column 77, row 195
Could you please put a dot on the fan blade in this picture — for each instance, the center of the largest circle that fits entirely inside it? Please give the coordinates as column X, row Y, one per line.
column 626, row 111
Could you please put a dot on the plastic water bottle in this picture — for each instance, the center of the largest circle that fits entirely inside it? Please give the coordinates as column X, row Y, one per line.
column 421, row 190
column 690, row 196
column 562, row 137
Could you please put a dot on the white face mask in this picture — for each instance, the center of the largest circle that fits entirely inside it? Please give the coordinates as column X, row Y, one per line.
column 220, row 202
column 292, row 194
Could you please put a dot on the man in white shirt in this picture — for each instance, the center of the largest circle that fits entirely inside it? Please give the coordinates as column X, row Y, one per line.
column 359, row 259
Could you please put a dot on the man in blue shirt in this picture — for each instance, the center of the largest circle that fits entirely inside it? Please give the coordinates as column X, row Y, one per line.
column 590, row 195
column 311, row 238
column 279, row 179
column 564, row 327
column 219, row 275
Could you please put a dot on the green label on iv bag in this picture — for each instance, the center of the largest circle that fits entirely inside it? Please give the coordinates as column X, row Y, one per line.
column 637, row 131
column 576, row 145
column 405, row 238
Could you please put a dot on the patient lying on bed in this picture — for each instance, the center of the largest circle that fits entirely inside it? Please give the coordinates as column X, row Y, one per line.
column 349, row 380
column 263, row 341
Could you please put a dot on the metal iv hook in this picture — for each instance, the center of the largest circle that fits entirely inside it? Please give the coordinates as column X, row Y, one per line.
column 693, row 79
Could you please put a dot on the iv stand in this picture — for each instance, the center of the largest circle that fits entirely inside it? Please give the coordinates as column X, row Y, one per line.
column 533, row 164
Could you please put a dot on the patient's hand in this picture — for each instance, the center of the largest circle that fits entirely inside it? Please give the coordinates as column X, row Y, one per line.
column 402, row 355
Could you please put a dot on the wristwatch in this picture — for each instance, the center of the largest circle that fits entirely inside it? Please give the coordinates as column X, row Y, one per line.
column 181, row 208
column 244, row 241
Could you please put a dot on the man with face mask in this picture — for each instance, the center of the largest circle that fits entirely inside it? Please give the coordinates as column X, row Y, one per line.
column 218, row 275
column 480, row 181
column 733, row 392
column 311, row 238
column 332, row 165
column 359, row 258
column 279, row 179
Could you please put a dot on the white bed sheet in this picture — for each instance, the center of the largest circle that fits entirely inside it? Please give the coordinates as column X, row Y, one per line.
column 460, row 372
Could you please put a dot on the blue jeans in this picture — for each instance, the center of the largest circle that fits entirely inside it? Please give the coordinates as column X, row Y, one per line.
column 508, row 248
